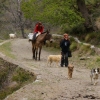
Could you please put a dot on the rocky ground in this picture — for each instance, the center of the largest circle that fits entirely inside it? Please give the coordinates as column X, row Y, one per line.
column 52, row 82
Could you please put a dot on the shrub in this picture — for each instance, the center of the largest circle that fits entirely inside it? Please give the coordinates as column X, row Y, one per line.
column 79, row 29
column 93, row 38
column 73, row 46
column 7, row 91
column 65, row 28
column 3, row 76
column 85, row 49
column 21, row 76
column 98, row 59
column 90, row 36
column 95, row 62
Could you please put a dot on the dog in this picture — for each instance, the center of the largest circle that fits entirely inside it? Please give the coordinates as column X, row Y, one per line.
column 70, row 71
column 94, row 75
column 53, row 58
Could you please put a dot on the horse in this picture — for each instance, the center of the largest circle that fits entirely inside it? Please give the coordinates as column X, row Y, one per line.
column 37, row 45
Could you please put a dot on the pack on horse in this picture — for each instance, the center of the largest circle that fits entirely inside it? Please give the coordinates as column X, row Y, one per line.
column 37, row 45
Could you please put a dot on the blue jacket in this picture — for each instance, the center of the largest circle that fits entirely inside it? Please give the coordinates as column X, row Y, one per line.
column 65, row 44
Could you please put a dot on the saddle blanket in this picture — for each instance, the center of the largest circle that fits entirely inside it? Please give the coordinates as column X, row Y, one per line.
column 30, row 36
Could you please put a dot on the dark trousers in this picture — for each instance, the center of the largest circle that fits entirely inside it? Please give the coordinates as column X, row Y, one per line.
column 64, row 59
column 34, row 36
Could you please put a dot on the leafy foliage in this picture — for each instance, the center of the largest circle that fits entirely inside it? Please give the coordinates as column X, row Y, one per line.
column 56, row 12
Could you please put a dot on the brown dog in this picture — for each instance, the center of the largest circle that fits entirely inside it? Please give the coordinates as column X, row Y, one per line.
column 70, row 71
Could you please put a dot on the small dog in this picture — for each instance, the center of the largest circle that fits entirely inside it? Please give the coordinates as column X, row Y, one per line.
column 70, row 71
column 94, row 75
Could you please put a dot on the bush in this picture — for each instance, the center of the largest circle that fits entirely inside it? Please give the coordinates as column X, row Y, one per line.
column 95, row 62
column 79, row 29
column 21, row 76
column 73, row 46
column 93, row 38
column 98, row 59
column 90, row 37
column 85, row 49
column 7, row 91
column 65, row 28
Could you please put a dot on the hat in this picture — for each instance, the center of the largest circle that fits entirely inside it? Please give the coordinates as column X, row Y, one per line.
column 65, row 34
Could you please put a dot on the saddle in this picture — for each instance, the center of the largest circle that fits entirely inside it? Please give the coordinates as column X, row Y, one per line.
column 38, row 34
column 35, row 36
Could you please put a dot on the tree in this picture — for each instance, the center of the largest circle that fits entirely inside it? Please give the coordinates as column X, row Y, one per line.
column 84, row 11
column 12, row 18
column 17, row 15
column 21, row 18
column 2, row 10
column 58, row 12
column 52, row 11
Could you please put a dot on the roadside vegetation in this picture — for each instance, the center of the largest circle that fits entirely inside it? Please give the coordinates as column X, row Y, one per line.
column 6, row 49
column 12, row 77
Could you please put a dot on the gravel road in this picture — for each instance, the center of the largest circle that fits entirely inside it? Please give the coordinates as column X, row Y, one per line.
column 52, row 82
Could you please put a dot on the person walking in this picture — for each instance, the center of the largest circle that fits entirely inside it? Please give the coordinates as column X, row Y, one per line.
column 38, row 29
column 65, row 45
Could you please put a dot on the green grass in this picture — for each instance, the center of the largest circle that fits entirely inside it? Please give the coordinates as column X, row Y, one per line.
column 6, row 49
column 21, row 76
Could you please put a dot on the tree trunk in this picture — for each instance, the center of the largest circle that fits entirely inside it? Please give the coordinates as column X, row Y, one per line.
column 22, row 30
column 88, row 19
column 20, row 15
column 21, row 23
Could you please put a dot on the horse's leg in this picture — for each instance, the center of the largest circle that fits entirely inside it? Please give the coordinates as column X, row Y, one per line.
column 36, row 53
column 33, row 51
column 40, row 52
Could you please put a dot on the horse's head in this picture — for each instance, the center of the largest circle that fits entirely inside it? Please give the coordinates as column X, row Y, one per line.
column 49, row 36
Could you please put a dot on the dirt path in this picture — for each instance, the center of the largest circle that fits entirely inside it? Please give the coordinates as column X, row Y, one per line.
column 52, row 82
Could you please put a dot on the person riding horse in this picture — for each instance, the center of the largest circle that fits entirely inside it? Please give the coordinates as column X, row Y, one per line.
column 37, row 45
column 38, row 30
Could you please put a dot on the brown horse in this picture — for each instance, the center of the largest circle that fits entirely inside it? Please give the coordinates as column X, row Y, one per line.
column 37, row 45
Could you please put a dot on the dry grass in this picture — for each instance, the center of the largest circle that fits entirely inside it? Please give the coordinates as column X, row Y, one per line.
column 98, row 23
column 6, row 49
